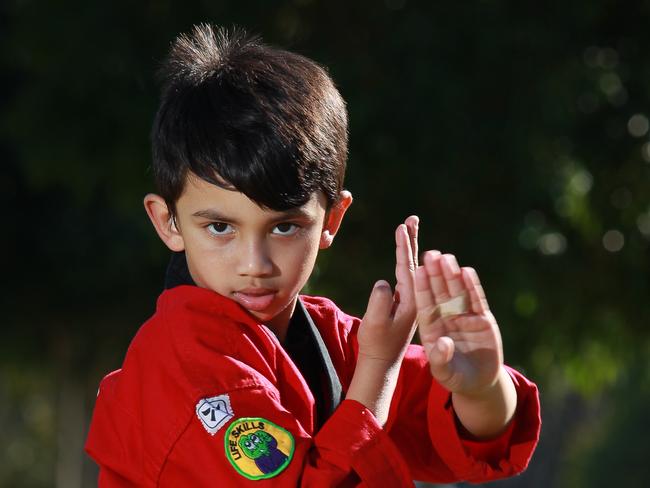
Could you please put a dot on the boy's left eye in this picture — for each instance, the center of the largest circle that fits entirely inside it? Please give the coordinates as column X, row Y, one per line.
column 285, row 229
column 219, row 228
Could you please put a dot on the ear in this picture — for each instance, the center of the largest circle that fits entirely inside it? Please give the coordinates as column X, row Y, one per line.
column 163, row 222
column 333, row 219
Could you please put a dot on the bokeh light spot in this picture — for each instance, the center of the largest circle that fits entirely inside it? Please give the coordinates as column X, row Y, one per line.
column 643, row 223
column 526, row 304
column 552, row 243
column 645, row 152
column 21, row 453
column 613, row 240
column 607, row 58
column 581, row 182
column 619, row 98
column 610, row 84
column 638, row 125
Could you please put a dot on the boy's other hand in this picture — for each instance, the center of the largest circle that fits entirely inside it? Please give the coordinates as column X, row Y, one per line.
column 464, row 351
column 387, row 329
column 389, row 322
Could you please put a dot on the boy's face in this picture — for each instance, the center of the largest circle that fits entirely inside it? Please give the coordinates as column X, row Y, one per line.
column 257, row 257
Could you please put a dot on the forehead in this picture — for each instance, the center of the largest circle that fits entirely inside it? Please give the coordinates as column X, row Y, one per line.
column 203, row 199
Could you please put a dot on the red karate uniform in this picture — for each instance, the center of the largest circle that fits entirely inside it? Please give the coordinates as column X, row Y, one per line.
column 202, row 369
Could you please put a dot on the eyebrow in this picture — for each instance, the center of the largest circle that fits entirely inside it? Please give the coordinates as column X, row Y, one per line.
column 214, row 214
column 211, row 214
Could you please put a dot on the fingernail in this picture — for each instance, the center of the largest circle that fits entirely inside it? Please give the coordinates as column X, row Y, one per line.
column 453, row 265
column 429, row 257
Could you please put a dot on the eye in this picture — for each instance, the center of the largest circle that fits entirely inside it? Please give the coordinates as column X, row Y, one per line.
column 285, row 229
column 219, row 229
column 249, row 445
column 255, row 439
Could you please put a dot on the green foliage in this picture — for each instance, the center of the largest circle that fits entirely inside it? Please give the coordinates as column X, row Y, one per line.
column 517, row 131
column 28, row 435
column 612, row 447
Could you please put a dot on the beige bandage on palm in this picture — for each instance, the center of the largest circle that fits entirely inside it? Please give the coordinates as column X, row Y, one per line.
column 455, row 306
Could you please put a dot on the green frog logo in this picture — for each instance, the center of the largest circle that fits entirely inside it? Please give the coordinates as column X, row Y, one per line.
column 257, row 448
column 262, row 447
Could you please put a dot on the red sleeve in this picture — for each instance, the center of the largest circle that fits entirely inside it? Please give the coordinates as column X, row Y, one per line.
column 423, row 425
column 350, row 447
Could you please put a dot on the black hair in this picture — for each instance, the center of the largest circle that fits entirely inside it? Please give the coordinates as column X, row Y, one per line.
column 246, row 116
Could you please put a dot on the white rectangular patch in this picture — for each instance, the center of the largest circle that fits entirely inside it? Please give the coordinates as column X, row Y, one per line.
column 214, row 412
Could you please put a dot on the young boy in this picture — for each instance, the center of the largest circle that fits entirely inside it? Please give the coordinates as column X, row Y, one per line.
column 237, row 379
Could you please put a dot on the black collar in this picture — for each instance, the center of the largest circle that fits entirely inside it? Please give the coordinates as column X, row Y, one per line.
column 309, row 353
column 177, row 272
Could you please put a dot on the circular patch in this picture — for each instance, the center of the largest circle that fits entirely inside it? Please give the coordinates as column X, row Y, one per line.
column 258, row 449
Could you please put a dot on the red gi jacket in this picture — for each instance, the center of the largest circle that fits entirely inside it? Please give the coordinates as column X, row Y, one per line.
column 208, row 397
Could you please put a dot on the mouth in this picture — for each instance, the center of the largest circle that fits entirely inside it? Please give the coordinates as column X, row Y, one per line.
column 254, row 299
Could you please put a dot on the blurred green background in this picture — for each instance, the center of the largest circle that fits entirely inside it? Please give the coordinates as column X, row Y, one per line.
column 518, row 131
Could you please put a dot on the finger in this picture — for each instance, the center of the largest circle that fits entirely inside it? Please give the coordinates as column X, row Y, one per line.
column 380, row 303
column 403, row 251
column 423, row 296
column 430, row 328
column 404, row 304
column 436, row 279
column 477, row 298
column 440, row 354
column 451, row 272
column 413, row 224
column 404, row 264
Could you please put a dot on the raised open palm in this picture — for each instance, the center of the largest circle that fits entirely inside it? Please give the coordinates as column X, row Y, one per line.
column 464, row 349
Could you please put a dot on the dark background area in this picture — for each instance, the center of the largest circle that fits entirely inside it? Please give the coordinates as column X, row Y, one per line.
column 518, row 131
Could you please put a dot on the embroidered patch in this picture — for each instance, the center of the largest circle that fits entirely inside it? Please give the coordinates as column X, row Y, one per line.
column 214, row 412
column 258, row 449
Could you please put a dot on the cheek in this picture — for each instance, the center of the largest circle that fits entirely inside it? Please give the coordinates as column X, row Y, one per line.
column 208, row 264
column 298, row 259
column 305, row 258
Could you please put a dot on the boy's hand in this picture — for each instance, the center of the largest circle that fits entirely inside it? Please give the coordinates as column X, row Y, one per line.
column 389, row 322
column 465, row 352
column 386, row 329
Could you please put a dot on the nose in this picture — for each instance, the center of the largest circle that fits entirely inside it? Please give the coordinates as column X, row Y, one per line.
column 255, row 260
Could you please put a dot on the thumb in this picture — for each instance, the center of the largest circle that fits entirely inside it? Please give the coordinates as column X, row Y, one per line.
column 380, row 303
column 440, row 354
